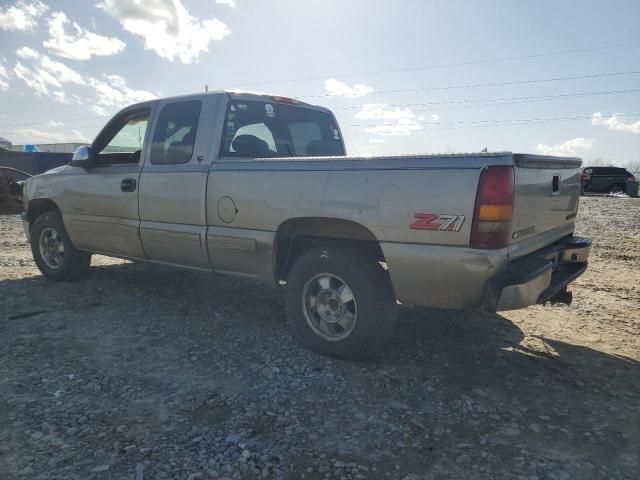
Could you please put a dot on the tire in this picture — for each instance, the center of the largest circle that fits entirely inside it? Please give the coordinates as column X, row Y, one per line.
column 47, row 235
column 373, row 306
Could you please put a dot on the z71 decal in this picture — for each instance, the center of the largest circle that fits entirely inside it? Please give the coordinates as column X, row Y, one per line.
column 434, row 221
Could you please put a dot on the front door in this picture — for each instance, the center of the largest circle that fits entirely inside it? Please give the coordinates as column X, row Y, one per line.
column 103, row 211
column 173, row 184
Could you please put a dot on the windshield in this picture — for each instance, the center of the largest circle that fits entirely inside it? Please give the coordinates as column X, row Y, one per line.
column 261, row 129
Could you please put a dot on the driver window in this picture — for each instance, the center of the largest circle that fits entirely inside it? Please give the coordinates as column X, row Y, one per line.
column 126, row 143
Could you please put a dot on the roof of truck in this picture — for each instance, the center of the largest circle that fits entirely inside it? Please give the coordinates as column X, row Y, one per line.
column 239, row 95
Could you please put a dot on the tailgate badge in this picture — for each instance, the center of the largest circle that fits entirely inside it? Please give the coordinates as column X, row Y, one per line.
column 435, row 221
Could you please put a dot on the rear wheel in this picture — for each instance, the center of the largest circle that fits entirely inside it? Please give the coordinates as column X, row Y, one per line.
column 53, row 252
column 340, row 304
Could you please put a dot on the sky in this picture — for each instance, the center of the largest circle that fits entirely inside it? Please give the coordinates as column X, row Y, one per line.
column 406, row 76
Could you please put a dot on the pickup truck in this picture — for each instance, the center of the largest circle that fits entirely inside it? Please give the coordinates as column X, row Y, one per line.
column 260, row 187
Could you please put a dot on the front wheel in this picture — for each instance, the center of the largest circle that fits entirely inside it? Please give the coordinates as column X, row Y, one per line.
column 53, row 252
column 340, row 305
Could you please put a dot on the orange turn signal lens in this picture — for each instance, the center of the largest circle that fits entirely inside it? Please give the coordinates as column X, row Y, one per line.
column 495, row 213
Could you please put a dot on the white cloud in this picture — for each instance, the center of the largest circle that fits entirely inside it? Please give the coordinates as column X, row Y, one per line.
column 394, row 120
column 63, row 73
column 568, row 148
column 4, row 78
column 49, row 77
column 114, row 92
column 26, row 52
column 434, row 117
column 231, row 3
column 61, row 96
column 340, row 89
column 22, row 15
column 34, row 135
column 363, row 150
column 82, row 44
column 381, row 111
column 44, row 73
column 614, row 123
column 99, row 110
column 39, row 81
column 166, row 27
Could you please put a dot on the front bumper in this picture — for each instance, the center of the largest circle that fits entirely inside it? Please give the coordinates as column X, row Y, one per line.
column 26, row 226
column 538, row 277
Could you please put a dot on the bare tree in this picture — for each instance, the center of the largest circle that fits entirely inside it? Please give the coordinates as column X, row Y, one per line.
column 634, row 168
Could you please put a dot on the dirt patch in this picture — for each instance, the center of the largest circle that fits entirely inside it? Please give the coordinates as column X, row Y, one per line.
column 143, row 372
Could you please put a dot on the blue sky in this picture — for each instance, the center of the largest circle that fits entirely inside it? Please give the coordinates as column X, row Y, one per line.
column 397, row 74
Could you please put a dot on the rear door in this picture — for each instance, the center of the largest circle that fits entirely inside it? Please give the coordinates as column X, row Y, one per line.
column 173, row 183
column 547, row 192
column 602, row 178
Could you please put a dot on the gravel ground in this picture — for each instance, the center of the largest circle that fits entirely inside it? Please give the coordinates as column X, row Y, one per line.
column 143, row 372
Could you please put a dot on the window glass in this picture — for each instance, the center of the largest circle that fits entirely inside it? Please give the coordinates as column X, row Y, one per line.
column 303, row 134
column 175, row 134
column 257, row 129
column 126, row 140
column 609, row 171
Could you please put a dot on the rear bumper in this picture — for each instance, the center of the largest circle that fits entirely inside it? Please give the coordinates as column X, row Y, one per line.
column 538, row 277
column 464, row 278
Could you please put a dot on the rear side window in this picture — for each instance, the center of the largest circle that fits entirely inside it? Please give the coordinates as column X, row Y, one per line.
column 175, row 135
column 255, row 129
column 611, row 171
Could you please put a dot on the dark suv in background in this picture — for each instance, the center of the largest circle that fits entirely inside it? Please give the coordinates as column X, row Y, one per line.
column 608, row 180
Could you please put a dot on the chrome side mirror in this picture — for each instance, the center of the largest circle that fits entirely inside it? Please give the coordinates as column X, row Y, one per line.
column 82, row 157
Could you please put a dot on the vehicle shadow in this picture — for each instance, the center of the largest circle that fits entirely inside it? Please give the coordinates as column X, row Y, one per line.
column 568, row 400
column 479, row 372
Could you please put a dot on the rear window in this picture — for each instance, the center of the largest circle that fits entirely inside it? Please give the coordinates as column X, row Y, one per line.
column 261, row 130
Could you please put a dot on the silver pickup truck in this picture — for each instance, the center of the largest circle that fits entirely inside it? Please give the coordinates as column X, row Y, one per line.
column 259, row 186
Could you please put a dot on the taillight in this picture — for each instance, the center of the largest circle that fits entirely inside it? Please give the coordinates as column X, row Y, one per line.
column 494, row 208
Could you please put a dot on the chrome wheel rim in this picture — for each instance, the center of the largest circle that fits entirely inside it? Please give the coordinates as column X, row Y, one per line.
column 51, row 248
column 329, row 307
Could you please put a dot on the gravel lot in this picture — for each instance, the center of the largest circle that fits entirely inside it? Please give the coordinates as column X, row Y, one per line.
column 141, row 372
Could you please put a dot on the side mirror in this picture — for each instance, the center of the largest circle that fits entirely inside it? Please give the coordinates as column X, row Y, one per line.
column 82, row 157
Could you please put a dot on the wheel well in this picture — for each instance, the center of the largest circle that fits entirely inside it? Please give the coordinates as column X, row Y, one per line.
column 296, row 236
column 39, row 206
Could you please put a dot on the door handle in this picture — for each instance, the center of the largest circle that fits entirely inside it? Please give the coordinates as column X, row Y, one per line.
column 128, row 185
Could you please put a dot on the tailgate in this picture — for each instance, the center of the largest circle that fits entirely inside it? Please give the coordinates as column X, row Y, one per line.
column 547, row 192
